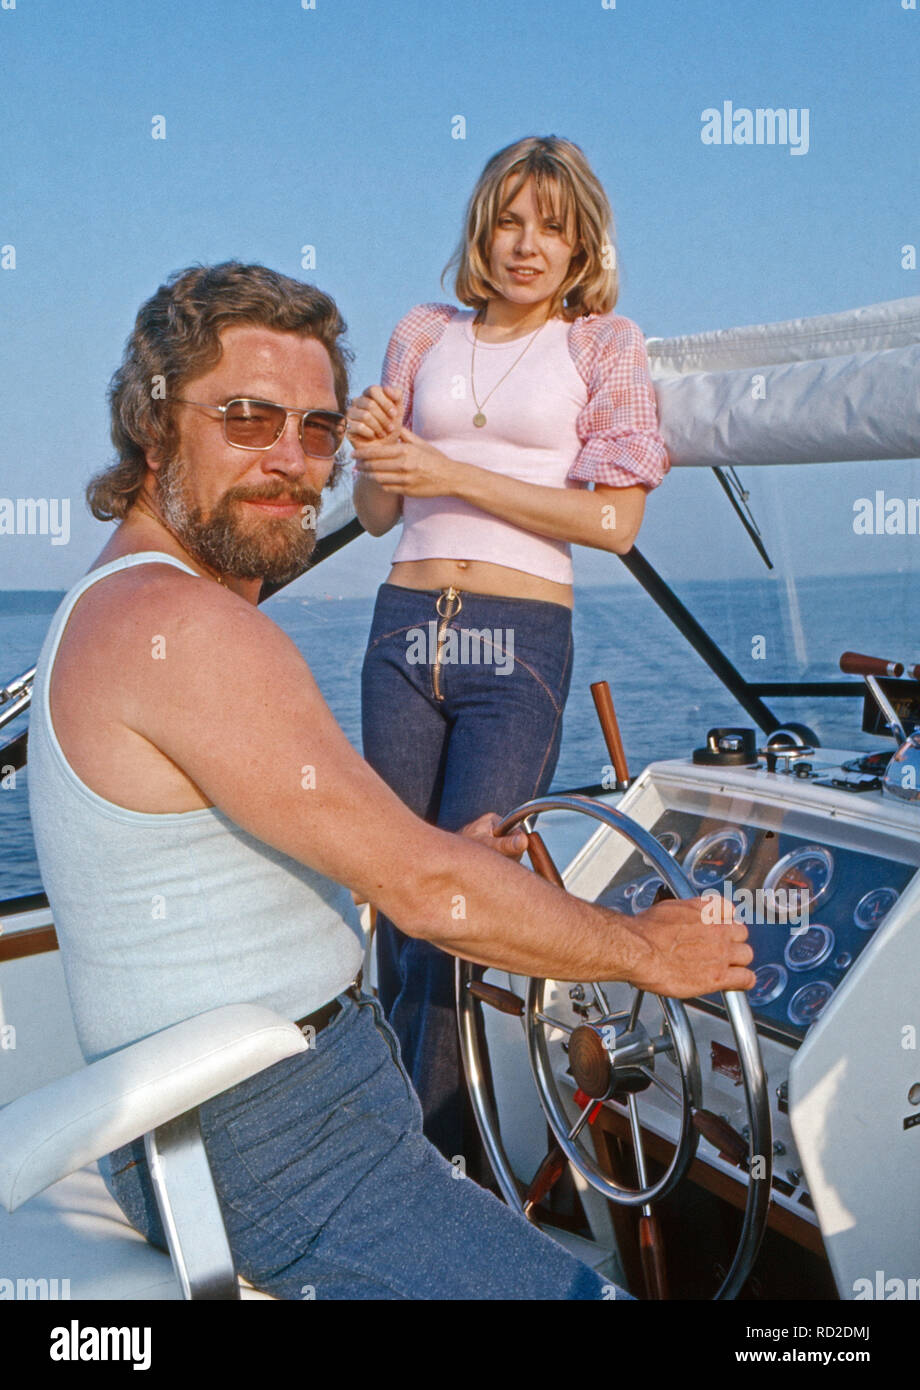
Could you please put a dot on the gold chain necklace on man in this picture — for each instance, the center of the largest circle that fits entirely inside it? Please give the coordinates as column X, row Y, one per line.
column 479, row 419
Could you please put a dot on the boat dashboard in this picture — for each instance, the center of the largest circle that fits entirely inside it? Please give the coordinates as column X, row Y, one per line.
column 823, row 868
column 811, row 905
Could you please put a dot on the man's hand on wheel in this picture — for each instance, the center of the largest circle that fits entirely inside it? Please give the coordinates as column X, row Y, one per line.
column 692, row 954
column 483, row 831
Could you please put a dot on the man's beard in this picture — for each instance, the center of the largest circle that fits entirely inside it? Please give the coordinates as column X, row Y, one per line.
column 275, row 549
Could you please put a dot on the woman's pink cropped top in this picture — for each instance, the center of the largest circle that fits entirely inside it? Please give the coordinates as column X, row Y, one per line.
column 577, row 408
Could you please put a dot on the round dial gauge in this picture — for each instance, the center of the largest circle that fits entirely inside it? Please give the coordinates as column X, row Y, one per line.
column 807, row 1002
column 873, row 907
column 645, row 891
column 809, row 948
column 770, row 983
column 806, row 870
column 615, row 898
column 669, row 840
column 718, row 856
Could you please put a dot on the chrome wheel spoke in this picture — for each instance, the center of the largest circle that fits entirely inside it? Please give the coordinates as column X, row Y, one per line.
column 600, row 999
column 636, row 1006
column 662, row 1085
column 636, row 1131
column 554, row 1023
column 579, row 1124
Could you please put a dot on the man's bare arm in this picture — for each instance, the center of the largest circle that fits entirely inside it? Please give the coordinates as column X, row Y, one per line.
column 235, row 707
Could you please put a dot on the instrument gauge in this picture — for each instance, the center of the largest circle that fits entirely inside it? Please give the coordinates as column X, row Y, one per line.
column 804, row 876
column 618, row 898
column 810, row 948
column 716, row 857
column 770, row 981
column 669, row 840
column 645, row 891
column 873, row 907
column 806, row 1004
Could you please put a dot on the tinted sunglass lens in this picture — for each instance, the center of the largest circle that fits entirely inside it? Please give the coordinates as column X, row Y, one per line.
column 321, row 436
column 253, row 424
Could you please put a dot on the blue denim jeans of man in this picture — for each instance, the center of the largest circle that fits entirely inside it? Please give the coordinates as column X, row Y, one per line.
column 489, row 743
column 329, row 1190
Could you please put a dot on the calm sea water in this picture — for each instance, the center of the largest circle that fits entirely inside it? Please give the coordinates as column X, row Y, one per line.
column 666, row 698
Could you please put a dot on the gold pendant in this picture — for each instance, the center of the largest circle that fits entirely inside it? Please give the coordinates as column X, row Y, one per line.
column 479, row 420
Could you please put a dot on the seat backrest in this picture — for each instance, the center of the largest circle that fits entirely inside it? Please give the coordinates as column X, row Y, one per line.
column 37, row 1038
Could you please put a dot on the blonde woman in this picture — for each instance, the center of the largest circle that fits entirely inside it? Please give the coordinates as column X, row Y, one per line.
column 500, row 435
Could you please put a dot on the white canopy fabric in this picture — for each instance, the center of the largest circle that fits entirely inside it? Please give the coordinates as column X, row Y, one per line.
column 820, row 390
column 875, row 328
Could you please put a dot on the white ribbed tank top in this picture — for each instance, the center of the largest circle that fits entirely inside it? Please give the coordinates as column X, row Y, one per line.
column 161, row 917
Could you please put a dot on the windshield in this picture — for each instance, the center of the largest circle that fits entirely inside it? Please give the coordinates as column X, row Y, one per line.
column 836, row 586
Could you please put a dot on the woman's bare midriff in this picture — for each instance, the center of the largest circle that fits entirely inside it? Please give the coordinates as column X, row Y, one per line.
column 479, row 577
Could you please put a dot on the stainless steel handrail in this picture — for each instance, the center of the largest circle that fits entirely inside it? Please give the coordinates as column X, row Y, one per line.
column 16, row 697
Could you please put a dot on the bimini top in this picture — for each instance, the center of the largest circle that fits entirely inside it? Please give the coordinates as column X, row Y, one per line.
column 819, row 390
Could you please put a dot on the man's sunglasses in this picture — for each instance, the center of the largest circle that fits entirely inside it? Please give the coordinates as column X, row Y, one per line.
column 252, row 424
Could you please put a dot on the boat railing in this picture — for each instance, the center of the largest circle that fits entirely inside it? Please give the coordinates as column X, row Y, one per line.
column 16, row 697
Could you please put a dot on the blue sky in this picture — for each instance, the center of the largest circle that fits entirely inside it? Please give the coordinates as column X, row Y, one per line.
column 332, row 127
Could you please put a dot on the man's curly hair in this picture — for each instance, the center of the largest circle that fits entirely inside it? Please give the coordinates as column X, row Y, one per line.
column 176, row 338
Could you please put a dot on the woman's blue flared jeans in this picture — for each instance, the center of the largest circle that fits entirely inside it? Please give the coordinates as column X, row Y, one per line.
column 478, row 730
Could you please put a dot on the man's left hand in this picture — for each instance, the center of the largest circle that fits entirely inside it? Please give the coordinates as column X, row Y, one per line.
column 483, row 831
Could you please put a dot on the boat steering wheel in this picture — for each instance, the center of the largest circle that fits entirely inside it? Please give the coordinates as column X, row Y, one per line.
column 614, row 1056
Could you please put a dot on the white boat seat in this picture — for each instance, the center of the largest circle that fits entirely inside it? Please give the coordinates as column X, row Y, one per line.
column 73, row 1242
column 152, row 1088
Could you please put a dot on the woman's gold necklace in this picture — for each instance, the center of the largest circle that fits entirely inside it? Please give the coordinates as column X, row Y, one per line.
column 479, row 419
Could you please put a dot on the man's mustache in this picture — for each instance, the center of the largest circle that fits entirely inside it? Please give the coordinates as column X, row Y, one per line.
column 277, row 492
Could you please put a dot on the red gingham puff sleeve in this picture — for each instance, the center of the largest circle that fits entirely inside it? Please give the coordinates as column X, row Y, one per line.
column 618, row 425
column 412, row 337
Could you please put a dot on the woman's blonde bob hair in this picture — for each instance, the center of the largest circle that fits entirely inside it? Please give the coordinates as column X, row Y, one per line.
column 565, row 187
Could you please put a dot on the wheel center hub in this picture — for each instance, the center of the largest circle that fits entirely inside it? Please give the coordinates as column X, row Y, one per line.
column 603, row 1058
column 591, row 1062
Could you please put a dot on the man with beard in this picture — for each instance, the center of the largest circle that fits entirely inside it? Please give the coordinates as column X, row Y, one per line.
column 196, row 806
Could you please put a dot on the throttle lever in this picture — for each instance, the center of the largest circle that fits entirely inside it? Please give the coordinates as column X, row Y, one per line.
column 603, row 703
column 855, row 664
column 542, row 860
column 732, row 1147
